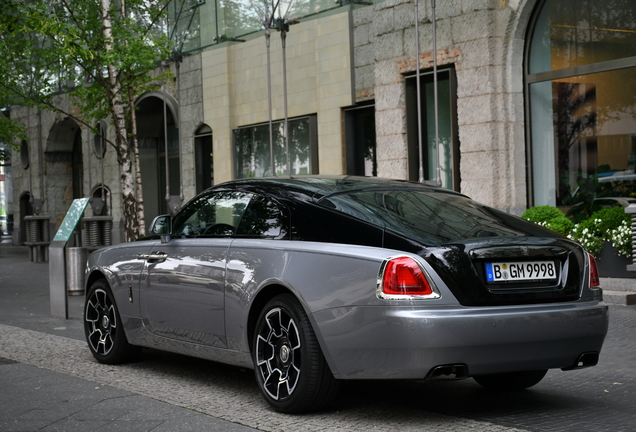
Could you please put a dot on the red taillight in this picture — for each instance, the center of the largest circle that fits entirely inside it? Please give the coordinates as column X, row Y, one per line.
column 403, row 276
column 594, row 279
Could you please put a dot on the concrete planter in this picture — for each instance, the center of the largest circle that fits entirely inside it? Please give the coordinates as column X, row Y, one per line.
column 611, row 264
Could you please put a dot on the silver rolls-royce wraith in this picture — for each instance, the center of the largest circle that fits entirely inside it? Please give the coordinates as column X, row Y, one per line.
column 314, row 280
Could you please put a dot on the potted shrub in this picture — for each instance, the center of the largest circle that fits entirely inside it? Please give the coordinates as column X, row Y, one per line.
column 549, row 217
column 607, row 235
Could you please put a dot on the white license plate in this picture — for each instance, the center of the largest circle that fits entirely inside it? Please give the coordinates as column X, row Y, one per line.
column 519, row 271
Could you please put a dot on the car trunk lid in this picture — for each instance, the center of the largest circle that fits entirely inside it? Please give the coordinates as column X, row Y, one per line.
column 504, row 271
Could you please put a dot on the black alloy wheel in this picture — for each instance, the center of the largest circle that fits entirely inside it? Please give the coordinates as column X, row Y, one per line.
column 103, row 329
column 290, row 368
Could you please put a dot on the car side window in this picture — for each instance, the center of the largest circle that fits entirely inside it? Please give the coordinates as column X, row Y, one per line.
column 212, row 215
column 263, row 218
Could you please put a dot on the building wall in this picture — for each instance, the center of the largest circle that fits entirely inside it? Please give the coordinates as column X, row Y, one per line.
column 192, row 116
column 333, row 62
column 319, row 82
column 484, row 41
column 55, row 176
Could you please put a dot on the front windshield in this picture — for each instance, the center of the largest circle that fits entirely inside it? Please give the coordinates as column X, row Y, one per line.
column 429, row 216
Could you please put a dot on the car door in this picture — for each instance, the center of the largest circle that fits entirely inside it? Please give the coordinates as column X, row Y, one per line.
column 255, row 255
column 183, row 296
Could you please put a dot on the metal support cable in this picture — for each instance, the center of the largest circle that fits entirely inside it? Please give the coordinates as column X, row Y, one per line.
column 269, row 97
column 178, row 67
column 283, row 36
column 165, row 143
column 419, row 102
column 438, row 177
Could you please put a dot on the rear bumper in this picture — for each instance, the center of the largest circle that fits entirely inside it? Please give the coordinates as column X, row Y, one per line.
column 378, row 342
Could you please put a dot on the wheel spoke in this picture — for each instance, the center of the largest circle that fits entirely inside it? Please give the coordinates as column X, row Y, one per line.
column 274, row 322
column 293, row 336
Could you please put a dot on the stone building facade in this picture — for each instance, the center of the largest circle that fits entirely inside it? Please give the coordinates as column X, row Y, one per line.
column 483, row 41
column 60, row 162
column 509, row 75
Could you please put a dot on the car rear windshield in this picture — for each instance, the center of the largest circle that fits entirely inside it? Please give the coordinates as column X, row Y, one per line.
column 428, row 216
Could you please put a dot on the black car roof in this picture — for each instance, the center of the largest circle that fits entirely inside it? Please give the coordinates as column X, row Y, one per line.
column 319, row 186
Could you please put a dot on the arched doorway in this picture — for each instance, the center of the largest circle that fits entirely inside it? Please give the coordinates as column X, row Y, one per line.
column 64, row 171
column 159, row 168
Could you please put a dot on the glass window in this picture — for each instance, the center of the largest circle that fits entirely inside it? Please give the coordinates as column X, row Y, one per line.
column 263, row 218
column 24, row 154
column 569, row 33
column 582, row 124
column 183, row 24
column 448, row 136
column 584, row 137
column 203, row 158
column 99, row 140
column 235, row 18
column 214, row 215
column 431, row 217
column 252, row 150
column 361, row 141
column 77, row 166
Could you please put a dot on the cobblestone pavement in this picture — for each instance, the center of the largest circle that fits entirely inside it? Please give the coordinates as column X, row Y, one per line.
column 594, row 399
column 223, row 391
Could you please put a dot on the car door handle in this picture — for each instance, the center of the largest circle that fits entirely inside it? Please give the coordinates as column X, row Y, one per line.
column 153, row 256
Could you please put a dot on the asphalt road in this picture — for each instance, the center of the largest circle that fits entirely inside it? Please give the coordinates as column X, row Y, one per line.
column 50, row 382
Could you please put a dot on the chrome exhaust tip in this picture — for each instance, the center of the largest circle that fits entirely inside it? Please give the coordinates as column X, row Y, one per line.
column 587, row 359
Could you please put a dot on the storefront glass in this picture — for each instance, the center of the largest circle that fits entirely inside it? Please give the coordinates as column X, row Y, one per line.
column 570, row 33
column 583, row 123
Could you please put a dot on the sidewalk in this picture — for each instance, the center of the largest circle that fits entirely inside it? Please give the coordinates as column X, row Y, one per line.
column 49, row 381
column 35, row 398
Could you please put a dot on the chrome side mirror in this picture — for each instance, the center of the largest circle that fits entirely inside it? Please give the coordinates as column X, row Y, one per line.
column 162, row 226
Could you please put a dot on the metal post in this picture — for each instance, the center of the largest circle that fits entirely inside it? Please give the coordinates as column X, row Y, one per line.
column 438, row 178
column 419, row 103
column 283, row 37
column 90, row 165
column 266, row 22
column 37, row 205
column 631, row 210
column 165, row 144
column 102, row 151
column 30, row 152
column 178, row 66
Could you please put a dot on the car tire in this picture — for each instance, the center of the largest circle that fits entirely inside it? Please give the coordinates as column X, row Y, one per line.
column 290, row 369
column 103, row 327
column 511, row 380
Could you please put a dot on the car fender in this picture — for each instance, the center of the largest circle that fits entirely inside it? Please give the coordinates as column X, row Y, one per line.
column 322, row 276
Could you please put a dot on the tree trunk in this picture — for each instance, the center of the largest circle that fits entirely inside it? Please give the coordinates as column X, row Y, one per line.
column 135, row 148
column 141, row 223
column 131, row 226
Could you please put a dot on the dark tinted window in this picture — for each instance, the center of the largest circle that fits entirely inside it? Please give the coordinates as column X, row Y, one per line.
column 430, row 217
column 213, row 215
column 263, row 218
column 319, row 224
